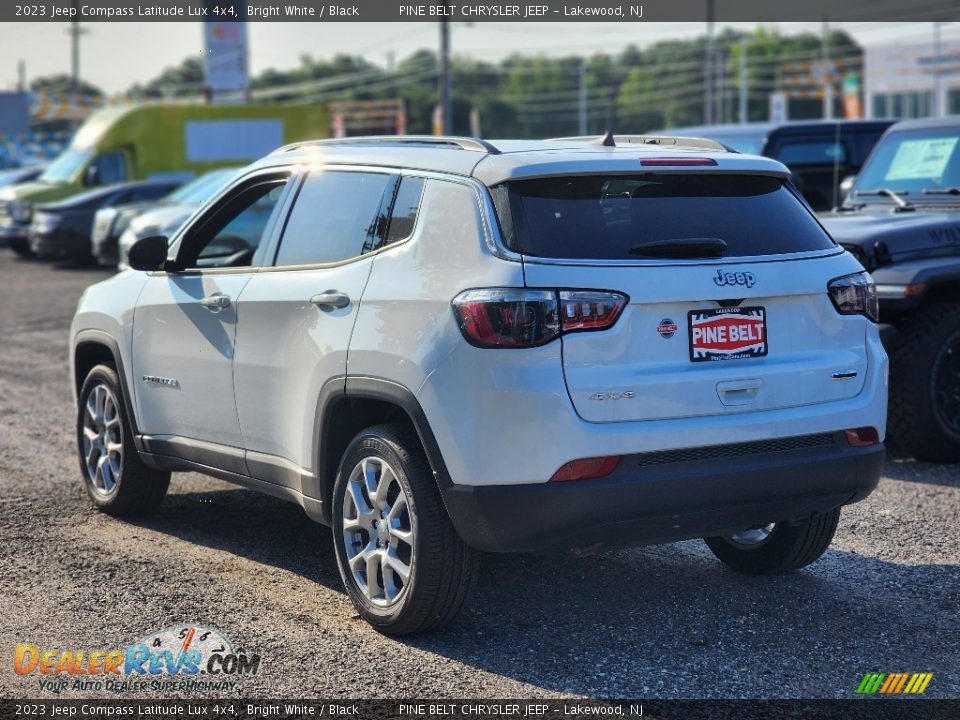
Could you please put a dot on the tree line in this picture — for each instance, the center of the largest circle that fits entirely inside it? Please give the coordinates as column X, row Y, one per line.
column 635, row 90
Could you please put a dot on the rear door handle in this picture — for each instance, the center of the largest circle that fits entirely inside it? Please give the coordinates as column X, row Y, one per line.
column 219, row 301
column 332, row 299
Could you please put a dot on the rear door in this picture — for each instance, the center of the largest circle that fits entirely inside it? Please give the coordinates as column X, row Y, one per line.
column 296, row 317
column 751, row 330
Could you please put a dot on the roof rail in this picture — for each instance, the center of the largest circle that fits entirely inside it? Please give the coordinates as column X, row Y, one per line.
column 690, row 142
column 463, row 143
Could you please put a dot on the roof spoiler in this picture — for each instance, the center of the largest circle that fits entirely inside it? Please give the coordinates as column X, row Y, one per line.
column 611, row 140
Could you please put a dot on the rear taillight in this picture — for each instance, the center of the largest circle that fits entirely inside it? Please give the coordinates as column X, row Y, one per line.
column 588, row 310
column 862, row 436
column 586, row 469
column 521, row 318
column 855, row 295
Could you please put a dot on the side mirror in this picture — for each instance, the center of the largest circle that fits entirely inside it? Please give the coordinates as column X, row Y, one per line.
column 91, row 176
column 846, row 185
column 149, row 253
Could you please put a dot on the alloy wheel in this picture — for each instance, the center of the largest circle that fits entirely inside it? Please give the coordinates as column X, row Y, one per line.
column 378, row 532
column 102, row 440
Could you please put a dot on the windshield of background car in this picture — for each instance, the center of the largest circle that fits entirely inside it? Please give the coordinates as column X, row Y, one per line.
column 909, row 161
column 65, row 166
column 606, row 216
column 201, row 189
column 749, row 144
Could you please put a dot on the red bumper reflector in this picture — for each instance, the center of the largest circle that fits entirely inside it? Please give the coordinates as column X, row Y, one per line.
column 586, row 469
column 861, row 437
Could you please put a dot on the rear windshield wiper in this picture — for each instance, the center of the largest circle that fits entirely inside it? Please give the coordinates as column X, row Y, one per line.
column 941, row 191
column 895, row 195
column 682, row 248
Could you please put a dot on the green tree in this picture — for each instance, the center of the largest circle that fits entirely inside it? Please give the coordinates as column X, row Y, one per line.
column 62, row 84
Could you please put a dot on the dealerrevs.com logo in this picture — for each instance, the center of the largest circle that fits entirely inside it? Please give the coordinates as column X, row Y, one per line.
column 179, row 657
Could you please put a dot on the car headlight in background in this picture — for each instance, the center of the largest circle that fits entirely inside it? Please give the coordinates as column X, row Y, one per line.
column 855, row 295
column 103, row 221
column 20, row 210
column 45, row 222
column 122, row 221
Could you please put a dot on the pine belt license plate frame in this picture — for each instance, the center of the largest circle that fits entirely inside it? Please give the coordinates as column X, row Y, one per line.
column 719, row 346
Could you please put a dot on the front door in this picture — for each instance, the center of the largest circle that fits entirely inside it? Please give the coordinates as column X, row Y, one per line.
column 185, row 326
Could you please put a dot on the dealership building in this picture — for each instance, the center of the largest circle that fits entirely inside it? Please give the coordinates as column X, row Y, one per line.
column 900, row 80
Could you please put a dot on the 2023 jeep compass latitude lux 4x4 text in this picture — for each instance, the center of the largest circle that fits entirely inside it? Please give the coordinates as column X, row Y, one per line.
column 441, row 346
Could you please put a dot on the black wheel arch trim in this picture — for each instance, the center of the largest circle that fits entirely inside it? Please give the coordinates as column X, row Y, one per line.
column 373, row 388
column 99, row 337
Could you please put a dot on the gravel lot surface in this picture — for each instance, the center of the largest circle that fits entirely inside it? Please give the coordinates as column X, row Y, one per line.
column 656, row 622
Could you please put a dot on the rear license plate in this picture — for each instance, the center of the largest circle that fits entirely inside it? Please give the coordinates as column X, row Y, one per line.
column 727, row 333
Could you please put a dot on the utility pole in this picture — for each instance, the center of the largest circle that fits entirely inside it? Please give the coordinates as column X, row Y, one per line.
column 937, row 79
column 75, row 32
column 21, row 76
column 827, row 71
column 708, row 69
column 582, row 115
column 744, row 78
column 444, row 84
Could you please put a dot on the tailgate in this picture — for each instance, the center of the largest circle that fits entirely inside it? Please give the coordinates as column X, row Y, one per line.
column 710, row 339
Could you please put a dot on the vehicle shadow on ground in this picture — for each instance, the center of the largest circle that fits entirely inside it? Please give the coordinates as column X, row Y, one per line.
column 903, row 467
column 642, row 622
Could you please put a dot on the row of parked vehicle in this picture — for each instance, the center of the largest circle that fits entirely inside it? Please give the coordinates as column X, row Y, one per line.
column 101, row 225
column 125, row 159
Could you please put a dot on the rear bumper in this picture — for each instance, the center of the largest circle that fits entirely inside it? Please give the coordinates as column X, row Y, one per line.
column 668, row 496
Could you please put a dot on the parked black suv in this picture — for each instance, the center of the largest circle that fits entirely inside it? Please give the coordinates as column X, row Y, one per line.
column 902, row 221
column 819, row 153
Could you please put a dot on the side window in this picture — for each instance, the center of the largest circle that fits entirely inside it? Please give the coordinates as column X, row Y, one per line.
column 234, row 230
column 405, row 209
column 335, row 217
column 150, row 192
column 812, row 153
column 110, row 168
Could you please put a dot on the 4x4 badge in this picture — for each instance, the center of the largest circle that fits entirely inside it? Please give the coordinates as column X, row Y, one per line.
column 735, row 278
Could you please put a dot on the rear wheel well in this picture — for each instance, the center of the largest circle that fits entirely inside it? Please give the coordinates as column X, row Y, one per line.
column 345, row 418
column 86, row 357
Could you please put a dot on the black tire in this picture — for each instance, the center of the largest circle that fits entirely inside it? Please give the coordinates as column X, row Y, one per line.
column 789, row 546
column 442, row 569
column 924, row 412
column 137, row 488
column 21, row 246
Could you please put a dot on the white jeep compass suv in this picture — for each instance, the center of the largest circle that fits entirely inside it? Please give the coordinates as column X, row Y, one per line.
column 440, row 346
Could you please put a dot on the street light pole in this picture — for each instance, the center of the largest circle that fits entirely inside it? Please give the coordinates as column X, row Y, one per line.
column 937, row 80
column 744, row 78
column 582, row 110
column 708, row 69
column 444, row 81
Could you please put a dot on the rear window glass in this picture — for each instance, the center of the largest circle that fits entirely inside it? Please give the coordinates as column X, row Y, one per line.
column 405, row 209
column 604, row 217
